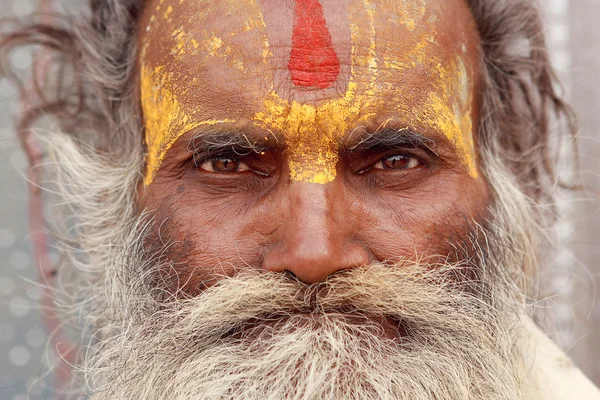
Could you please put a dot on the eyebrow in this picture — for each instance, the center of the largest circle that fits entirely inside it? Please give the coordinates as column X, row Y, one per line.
column 392, row 138
column 228, row 142
column 231, row 142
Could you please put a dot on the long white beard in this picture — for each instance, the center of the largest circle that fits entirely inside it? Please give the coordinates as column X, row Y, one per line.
column 267, row 336
column 456, row 344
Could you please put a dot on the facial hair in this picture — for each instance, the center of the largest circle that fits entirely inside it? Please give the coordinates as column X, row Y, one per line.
column 262, row 335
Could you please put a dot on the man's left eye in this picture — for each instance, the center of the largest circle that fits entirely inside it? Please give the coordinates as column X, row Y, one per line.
column 224, row 165
column 398, row 162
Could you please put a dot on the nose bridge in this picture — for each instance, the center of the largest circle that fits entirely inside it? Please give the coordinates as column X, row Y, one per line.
column 312, row 219
column 315, row 240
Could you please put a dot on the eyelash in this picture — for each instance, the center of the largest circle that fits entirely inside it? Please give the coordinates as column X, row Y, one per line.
column 408, row 156
column 200, row 157
column 233, row 154
column 413, row 155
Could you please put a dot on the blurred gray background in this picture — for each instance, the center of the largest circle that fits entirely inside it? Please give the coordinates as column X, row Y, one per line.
column 572, row 312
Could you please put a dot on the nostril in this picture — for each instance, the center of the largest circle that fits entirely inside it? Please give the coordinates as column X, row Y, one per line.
column 291, row 276
column 315, row 264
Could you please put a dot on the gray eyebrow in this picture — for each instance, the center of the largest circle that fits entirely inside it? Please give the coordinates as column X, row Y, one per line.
column 238, row 143
column 392, row 138
column 218, row 141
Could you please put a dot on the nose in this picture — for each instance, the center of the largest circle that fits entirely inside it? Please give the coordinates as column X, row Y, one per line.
column 318, row 234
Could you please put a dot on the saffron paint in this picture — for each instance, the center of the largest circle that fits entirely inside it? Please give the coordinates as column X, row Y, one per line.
column 313, row 131
column 313, row 60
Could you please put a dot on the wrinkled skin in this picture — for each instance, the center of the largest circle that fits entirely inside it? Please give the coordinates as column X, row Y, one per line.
column 383, row 203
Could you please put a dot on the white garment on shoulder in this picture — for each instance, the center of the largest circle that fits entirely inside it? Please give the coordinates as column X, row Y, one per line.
column 554, row 374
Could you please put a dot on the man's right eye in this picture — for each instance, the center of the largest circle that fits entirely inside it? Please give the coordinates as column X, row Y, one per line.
column 223, row 165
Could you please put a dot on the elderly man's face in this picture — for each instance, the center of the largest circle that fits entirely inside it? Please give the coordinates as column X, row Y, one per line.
column 310, row 136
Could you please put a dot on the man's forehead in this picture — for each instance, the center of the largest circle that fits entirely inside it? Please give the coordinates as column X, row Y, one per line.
column 282, row 63
column 251, row 40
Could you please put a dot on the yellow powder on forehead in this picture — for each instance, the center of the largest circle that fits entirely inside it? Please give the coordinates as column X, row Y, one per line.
column 168, row 12
column 448, row 109
column 447, row 104
column 313, row 132
column 182, row 39
column 185, row 43
column 164, row 117
column 407, row 13
column 225, row 45
column 213, row 45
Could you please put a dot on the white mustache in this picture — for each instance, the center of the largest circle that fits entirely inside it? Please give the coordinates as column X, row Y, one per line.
column 406, row 293
column 450, row 338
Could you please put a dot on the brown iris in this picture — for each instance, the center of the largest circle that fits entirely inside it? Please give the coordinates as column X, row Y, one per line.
column 225, row 165
column 396, row 162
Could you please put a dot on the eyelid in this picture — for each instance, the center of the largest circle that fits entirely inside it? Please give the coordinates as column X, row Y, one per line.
column 383, row 159
column 378, row 157
column 201, row 155
column 242, row 167
column 200, row 159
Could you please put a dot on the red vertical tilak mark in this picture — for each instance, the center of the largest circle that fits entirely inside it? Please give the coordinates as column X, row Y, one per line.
column 313, row 60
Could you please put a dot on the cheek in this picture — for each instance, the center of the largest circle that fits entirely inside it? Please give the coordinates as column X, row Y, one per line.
column 199, row 241
column 208, row 236
column 427, row 221
column 208, row 259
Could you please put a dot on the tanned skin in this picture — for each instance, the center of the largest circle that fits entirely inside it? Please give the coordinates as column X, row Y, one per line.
column 280, row 207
